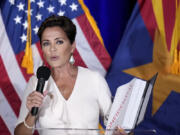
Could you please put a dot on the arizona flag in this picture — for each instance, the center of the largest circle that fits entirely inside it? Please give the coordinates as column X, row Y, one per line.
column 149, row 45
column 90, row 51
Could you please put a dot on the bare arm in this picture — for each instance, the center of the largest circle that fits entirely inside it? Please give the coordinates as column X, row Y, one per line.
column 34, row 99
column 21, row 129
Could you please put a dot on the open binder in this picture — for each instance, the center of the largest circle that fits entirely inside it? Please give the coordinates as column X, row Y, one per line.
column 130, row 103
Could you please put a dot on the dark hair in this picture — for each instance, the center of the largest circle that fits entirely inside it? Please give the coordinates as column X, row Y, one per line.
column 63, row 22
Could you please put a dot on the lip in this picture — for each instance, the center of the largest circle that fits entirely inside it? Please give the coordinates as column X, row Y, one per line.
column 54, row 58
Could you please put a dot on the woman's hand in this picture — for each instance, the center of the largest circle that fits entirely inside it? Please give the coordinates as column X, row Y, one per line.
column 119, row 131
column 35, row 99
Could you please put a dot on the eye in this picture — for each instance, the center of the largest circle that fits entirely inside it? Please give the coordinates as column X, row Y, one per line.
column 59, row 42
column 45, row 43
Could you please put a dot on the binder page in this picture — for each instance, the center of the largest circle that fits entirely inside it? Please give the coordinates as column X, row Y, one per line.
column 125, row 105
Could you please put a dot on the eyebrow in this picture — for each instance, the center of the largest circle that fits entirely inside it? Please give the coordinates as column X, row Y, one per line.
column 54, row 39
column 44, row 40
column 59, row 38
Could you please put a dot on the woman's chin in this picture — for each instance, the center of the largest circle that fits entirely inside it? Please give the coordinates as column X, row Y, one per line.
column 53, row 65
column 56, row 65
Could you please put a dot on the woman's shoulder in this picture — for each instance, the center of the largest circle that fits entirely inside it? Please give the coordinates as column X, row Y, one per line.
column 86, row 72
column 33, row 78
column 32, row 82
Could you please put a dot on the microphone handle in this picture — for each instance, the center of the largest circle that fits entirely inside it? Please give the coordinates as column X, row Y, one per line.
column 39, row 88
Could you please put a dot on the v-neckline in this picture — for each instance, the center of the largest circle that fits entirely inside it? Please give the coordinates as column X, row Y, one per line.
column 73, row 90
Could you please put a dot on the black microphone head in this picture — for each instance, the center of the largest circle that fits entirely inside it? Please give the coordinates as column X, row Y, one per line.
column 43, row 72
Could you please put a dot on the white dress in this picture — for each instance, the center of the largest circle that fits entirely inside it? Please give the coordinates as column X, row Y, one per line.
column 90, row 98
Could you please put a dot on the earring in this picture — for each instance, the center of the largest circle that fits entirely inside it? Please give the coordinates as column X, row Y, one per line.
column 71, row 60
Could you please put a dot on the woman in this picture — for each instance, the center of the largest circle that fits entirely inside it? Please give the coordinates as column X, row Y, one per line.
column 73, row 96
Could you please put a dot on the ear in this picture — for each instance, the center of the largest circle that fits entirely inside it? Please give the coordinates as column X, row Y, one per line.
column 73, row 47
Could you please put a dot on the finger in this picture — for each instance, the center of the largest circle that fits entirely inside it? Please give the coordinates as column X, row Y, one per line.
column 33, row 103
column 121, row 131
column 38, row 98
column 45, row 93
column 37, row 93
column 115, row 132
column 29, row 105
column 36, row 105
column 34, row 99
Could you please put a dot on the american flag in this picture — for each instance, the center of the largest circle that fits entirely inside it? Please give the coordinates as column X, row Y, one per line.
column 90, row 51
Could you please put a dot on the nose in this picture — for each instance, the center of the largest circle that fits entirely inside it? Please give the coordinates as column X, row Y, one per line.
column 53, row 47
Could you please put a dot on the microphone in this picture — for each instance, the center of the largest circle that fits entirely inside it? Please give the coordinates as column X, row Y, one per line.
column 43, row 74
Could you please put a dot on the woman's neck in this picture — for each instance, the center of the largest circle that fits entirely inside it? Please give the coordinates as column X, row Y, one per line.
column 66, row 71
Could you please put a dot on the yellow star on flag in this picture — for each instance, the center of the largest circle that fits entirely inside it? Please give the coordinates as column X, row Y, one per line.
column 165, row 82
column 165, row 62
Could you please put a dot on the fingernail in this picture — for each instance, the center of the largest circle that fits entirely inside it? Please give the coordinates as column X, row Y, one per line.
column 45, row 92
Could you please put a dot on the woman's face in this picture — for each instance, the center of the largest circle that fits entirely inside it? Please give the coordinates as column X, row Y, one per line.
column 56, row 46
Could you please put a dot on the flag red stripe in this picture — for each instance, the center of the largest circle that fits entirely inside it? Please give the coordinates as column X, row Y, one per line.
column 3, row 129
column 94, row 42
column 147, row 13
column 19, row 58
column 169, row 9
column 78, row 59
column 8, row 90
